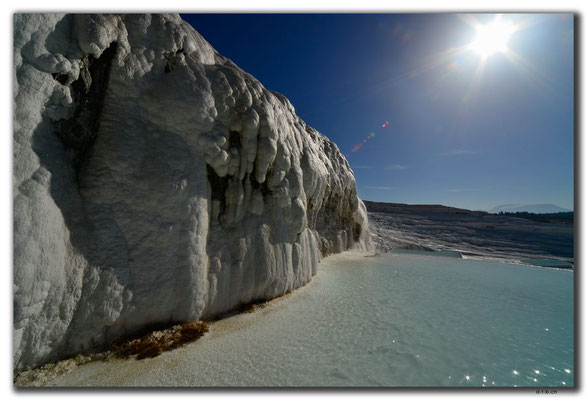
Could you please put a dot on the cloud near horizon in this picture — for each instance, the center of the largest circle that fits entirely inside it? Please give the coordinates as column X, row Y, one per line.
column 395, row 167
column 380, row 187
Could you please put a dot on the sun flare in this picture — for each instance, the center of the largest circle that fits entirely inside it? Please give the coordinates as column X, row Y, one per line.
column 493, row 37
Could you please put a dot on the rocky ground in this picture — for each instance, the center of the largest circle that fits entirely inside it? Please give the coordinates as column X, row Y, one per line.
column 475, row 234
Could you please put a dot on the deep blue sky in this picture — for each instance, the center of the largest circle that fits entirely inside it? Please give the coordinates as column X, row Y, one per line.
column 508, row 138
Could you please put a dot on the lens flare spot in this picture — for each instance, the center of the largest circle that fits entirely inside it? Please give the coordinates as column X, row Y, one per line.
column 452, row 66
column 369, row 136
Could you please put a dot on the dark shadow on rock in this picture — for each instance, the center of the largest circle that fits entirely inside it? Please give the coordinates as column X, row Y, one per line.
column 63, row 148
column 58, row 41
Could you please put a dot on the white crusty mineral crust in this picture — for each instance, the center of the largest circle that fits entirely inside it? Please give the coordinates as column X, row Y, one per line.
column 155, row 181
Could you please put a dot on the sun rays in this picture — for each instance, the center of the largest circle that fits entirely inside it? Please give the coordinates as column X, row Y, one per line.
column 493, row 37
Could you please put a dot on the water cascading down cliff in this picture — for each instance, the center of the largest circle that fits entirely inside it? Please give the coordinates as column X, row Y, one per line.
column 157, row 182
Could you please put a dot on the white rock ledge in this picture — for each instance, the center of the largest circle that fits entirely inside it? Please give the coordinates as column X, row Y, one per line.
column 155, row 181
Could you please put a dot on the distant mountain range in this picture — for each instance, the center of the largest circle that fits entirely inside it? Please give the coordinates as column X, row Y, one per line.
column 531, row 208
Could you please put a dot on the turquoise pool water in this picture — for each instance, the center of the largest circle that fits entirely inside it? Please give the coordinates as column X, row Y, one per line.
column 544, row 262
column 391, row 320
column 436, row 253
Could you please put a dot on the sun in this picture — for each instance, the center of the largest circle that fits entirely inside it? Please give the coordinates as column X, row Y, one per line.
column 493, row 37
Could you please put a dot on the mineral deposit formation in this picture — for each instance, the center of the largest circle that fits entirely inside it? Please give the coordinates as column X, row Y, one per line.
column 156, row 182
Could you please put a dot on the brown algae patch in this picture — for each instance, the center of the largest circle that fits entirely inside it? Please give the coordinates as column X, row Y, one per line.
column 140, row 346
column 154, row 343
column 252, row 307
column 147, row 345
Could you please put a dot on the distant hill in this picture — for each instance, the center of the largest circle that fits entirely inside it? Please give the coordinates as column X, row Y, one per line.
column 373, row 206
column 530, row 208
column 437, row 209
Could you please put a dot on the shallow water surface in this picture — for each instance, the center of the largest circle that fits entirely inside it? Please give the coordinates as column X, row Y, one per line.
column 391, row 320
column 436, row 253
column 545, row 262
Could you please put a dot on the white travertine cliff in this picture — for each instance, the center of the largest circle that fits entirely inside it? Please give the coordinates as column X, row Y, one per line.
column 156, row 182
